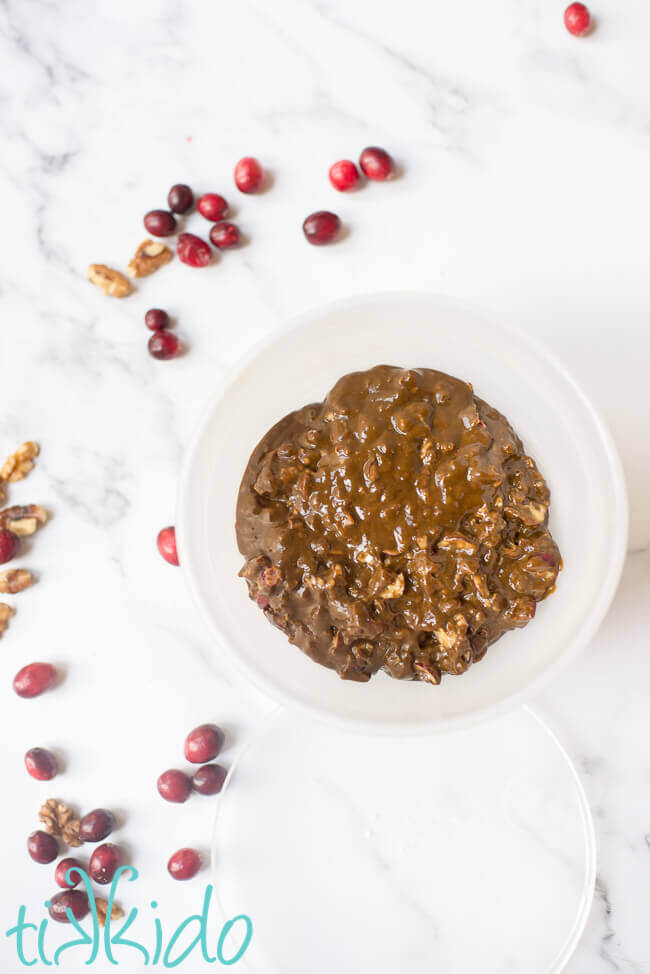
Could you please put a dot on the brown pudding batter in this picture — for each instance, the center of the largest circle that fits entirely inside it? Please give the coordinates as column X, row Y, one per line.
column 397, row 525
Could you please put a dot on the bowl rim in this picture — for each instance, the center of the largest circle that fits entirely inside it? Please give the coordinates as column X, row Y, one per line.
column 404, row 728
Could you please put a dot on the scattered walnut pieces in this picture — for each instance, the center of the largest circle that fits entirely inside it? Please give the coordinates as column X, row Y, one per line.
column 61, row 822
column 112, row 282
column 18, row 465
column 15, row 580
column 102, row 911
column 150, row 255
column 6, row 613
column 23, row 519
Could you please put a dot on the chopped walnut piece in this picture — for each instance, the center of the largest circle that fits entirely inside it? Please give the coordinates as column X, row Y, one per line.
column 457, row 542
column 480, row 584
column 102, row 911
column 520, row 611
column 452, row 638
column 394, row 589
column 327, row 581
column 469, row 416
column 19, row 463
column 112, row 282
column 6, row 613
column 15, row 580
column 428, row 672
column 530, row 513
column 61, row 822
column 365, row 557
column 362, row 650
column 150, row 255
column 23, row 520
column 370, row 471
column 427, row 452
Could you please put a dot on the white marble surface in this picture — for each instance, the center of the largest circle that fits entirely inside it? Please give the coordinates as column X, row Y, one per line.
column 524, row 190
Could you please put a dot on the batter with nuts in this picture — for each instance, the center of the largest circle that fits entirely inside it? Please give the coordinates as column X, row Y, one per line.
column 398, row 525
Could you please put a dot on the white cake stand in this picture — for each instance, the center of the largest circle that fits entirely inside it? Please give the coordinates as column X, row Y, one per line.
column 391, row 826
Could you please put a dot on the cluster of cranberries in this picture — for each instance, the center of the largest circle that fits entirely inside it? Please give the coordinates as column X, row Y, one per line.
column 202, row 745
column 41, row 764
column 162, row 344
column 104, row 862
column 191, row 249
column 323, row 227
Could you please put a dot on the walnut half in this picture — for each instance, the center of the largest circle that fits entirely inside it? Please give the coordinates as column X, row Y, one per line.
column 15, row 580
column 61, row 822
column 150, row 255
column 22, row 519
column 112, row 282
column 19, row 463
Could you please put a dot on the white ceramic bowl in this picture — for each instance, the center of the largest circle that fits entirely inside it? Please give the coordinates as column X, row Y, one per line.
column 559, row 428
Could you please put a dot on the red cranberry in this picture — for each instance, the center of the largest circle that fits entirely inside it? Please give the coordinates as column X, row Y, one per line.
column 344, row 175
column 249, row 175
column 203, row 743
column 156, row 319
column 41, row 764
column 163, row 345
column 577, row 19
column 42, row 847
column 180, row 198
column 75, row 900
column 321, row 227
column 212, row 206
column 209, row 779
column 224, row 235
column 34, row 679
column 160, row 223
column 104, row 863
column 193, row 251
column 376, row 163
column 174, row 786
column 9, row 545
column 184, row 864
column 96, row 825
column 166, row 542
column 61, row 873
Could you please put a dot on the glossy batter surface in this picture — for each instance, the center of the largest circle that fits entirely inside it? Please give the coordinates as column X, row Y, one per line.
column 397, row 525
